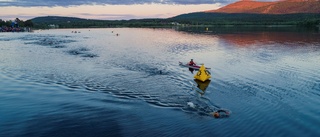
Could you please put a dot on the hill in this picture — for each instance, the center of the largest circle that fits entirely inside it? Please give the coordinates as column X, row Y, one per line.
column 208, row 18
column 72, row 22
column 190, row 19
column 247, row 12
column 276, row 7
column 66, row 22
column 55, row 19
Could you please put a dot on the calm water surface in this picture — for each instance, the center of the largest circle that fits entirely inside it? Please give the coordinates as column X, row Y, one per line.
column 94, row 83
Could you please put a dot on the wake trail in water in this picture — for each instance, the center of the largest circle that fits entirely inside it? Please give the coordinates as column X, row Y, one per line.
column 154, row 81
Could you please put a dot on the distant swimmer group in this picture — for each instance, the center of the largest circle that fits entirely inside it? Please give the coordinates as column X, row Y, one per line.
column 75, row 32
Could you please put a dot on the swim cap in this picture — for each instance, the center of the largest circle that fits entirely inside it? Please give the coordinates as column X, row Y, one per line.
column 216, row 114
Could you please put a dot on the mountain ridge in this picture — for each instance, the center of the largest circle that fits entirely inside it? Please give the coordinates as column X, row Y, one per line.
column 271, row 7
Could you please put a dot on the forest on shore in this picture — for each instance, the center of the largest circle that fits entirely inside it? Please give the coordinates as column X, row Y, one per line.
column 16, row 25
column 190, row 19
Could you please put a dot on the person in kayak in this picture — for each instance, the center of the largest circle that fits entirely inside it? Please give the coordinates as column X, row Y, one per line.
column 191, row 63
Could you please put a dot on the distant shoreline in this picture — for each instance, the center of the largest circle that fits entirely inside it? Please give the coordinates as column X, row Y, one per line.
column 203, row 27
column 198, row 19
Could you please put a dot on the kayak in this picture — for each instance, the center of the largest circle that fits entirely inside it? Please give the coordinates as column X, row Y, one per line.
column 196, row 67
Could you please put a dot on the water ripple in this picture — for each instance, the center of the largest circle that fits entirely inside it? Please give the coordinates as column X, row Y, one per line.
column 271, row 87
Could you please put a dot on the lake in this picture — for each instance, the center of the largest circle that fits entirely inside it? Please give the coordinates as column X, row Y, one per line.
column 95, row 83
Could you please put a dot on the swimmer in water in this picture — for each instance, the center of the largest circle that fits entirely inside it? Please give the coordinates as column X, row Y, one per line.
column 218, row 113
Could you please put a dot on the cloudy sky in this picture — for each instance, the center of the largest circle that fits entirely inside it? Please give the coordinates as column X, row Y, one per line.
column 104, row 9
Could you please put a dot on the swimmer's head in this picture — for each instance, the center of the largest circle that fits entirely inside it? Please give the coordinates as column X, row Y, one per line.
column 216, row 114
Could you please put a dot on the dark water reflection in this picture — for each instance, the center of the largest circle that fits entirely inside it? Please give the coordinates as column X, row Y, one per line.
column 289, row 38
column 244, row 36
column 58, row 83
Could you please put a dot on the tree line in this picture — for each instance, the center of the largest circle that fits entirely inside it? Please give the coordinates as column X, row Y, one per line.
column 70, row 22
column 193, row 19
column 202, row 18
column 16, row 23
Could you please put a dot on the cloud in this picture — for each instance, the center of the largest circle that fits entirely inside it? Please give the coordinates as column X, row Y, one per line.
column 12, row 17
column 104, row 12
column 108, row 16
column 121, row 16
column 66, row 3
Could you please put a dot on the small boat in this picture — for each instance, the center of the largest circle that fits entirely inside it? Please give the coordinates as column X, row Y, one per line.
column 196, row 67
